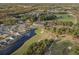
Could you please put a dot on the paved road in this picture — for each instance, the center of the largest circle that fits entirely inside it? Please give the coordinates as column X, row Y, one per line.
column 18, row 43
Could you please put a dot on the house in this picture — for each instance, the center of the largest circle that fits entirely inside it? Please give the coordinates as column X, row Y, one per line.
column 21, row 28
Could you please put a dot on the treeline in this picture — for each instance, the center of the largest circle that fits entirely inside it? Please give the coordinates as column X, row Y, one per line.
column 63, row 27
column 62, row 30
column 41, row 17
column 39, row 48
column 56, row 22
column 48, row 17
column 52, row 47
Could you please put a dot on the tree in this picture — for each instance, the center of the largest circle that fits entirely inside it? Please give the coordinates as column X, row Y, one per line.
column 48, row 17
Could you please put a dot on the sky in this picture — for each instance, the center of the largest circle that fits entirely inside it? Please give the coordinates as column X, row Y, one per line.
column 39, row 1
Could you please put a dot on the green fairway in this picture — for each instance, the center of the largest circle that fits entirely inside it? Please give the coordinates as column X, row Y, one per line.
column 38, row 31
column 65, row 17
